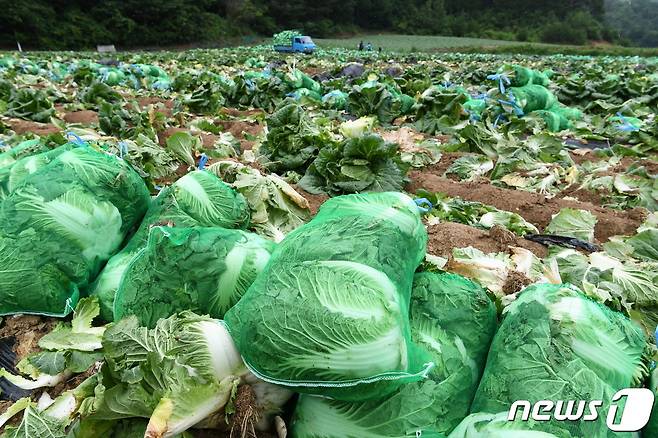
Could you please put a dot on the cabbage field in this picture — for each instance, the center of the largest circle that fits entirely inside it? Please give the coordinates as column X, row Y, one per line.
column 241, row 243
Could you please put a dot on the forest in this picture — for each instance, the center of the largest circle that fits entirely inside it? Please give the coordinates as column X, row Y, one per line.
column 78, row 24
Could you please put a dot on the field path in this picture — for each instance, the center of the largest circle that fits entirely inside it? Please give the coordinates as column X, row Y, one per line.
column 534, row 207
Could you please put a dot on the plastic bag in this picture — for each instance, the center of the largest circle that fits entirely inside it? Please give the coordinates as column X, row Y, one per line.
column 329, row 314
column 60, row 225
column 197, row 199
column 454, row 320
column 205, row 270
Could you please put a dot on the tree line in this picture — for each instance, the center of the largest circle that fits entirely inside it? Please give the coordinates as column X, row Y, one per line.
column 77, row 24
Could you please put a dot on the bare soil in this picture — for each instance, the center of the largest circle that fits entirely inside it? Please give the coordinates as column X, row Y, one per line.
column 84, row 117
column 534, row 207
column 502, row 235
column 4, row 405
column 515, row 282
column 649, row 164
column 445, row 236
column 241, row 127
column 27, row 330
column 447, row 158
column 314, row 201
column 41, row 129
column 583, row 195
column 405, row 137
column 581, row 156
column 234, row 112
column 208, row 140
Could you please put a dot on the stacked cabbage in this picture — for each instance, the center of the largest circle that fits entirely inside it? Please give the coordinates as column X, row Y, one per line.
column 199, row 199
column 454, row 319
column 202, row 269
column 64, row 214
column 330, row 313
column 556, row 344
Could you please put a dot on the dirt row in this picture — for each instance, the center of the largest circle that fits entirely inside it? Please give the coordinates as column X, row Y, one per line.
column 445, row 236
column 624, row 164
column 533, row 207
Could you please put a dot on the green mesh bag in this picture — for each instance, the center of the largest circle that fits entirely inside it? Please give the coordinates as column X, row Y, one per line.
column 335, row 99
column 567, row 115
column 304, row 95
column 476, row 106
column 524, row 76
column 311, row 84
column 329, row 314
column 407, row 103
column 70, row 217
column 198, row 199
column 23, row 149
column 553, row 120
column 533, row 97
column 556, row 344
column 454, row 320
column 559, row 117
column 651, row 429
column 11, row 176
column 205, row 270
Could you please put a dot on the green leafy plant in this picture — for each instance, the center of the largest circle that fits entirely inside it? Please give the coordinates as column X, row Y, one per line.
column 362, row 164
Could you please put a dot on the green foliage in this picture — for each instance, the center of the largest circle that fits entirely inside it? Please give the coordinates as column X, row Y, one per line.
column 453, row 319
column 98, row 92
column 383, row 100
column 293, row 139
column 30, row 103
column 206, row 270
column 276, row 208
column 573, row 223
column 361, row 164
column 40, row 24
column 636, row 21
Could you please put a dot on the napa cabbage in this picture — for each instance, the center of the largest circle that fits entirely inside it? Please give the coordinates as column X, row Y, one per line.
column 206, row 270
column 554, row 340
column 197, row 199
column 329, row 313
column 70, row 348
column 454, row 320
column 175, row 375
column 61, row 224
column 573, row 223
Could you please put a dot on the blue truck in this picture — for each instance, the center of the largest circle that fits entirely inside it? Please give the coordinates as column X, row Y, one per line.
column 293, row 42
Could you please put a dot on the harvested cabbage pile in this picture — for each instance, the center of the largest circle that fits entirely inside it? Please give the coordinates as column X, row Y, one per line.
column 205, row 270
column 197, row 199
column 175, row 375
column 556, row 344
column 454, row 320
column 329, row 314
column 52, row 223
column 12, row 175
column 276, row 208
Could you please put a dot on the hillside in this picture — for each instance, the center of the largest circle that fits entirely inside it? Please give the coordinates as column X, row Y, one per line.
column 79, row 24
column 634, row 20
